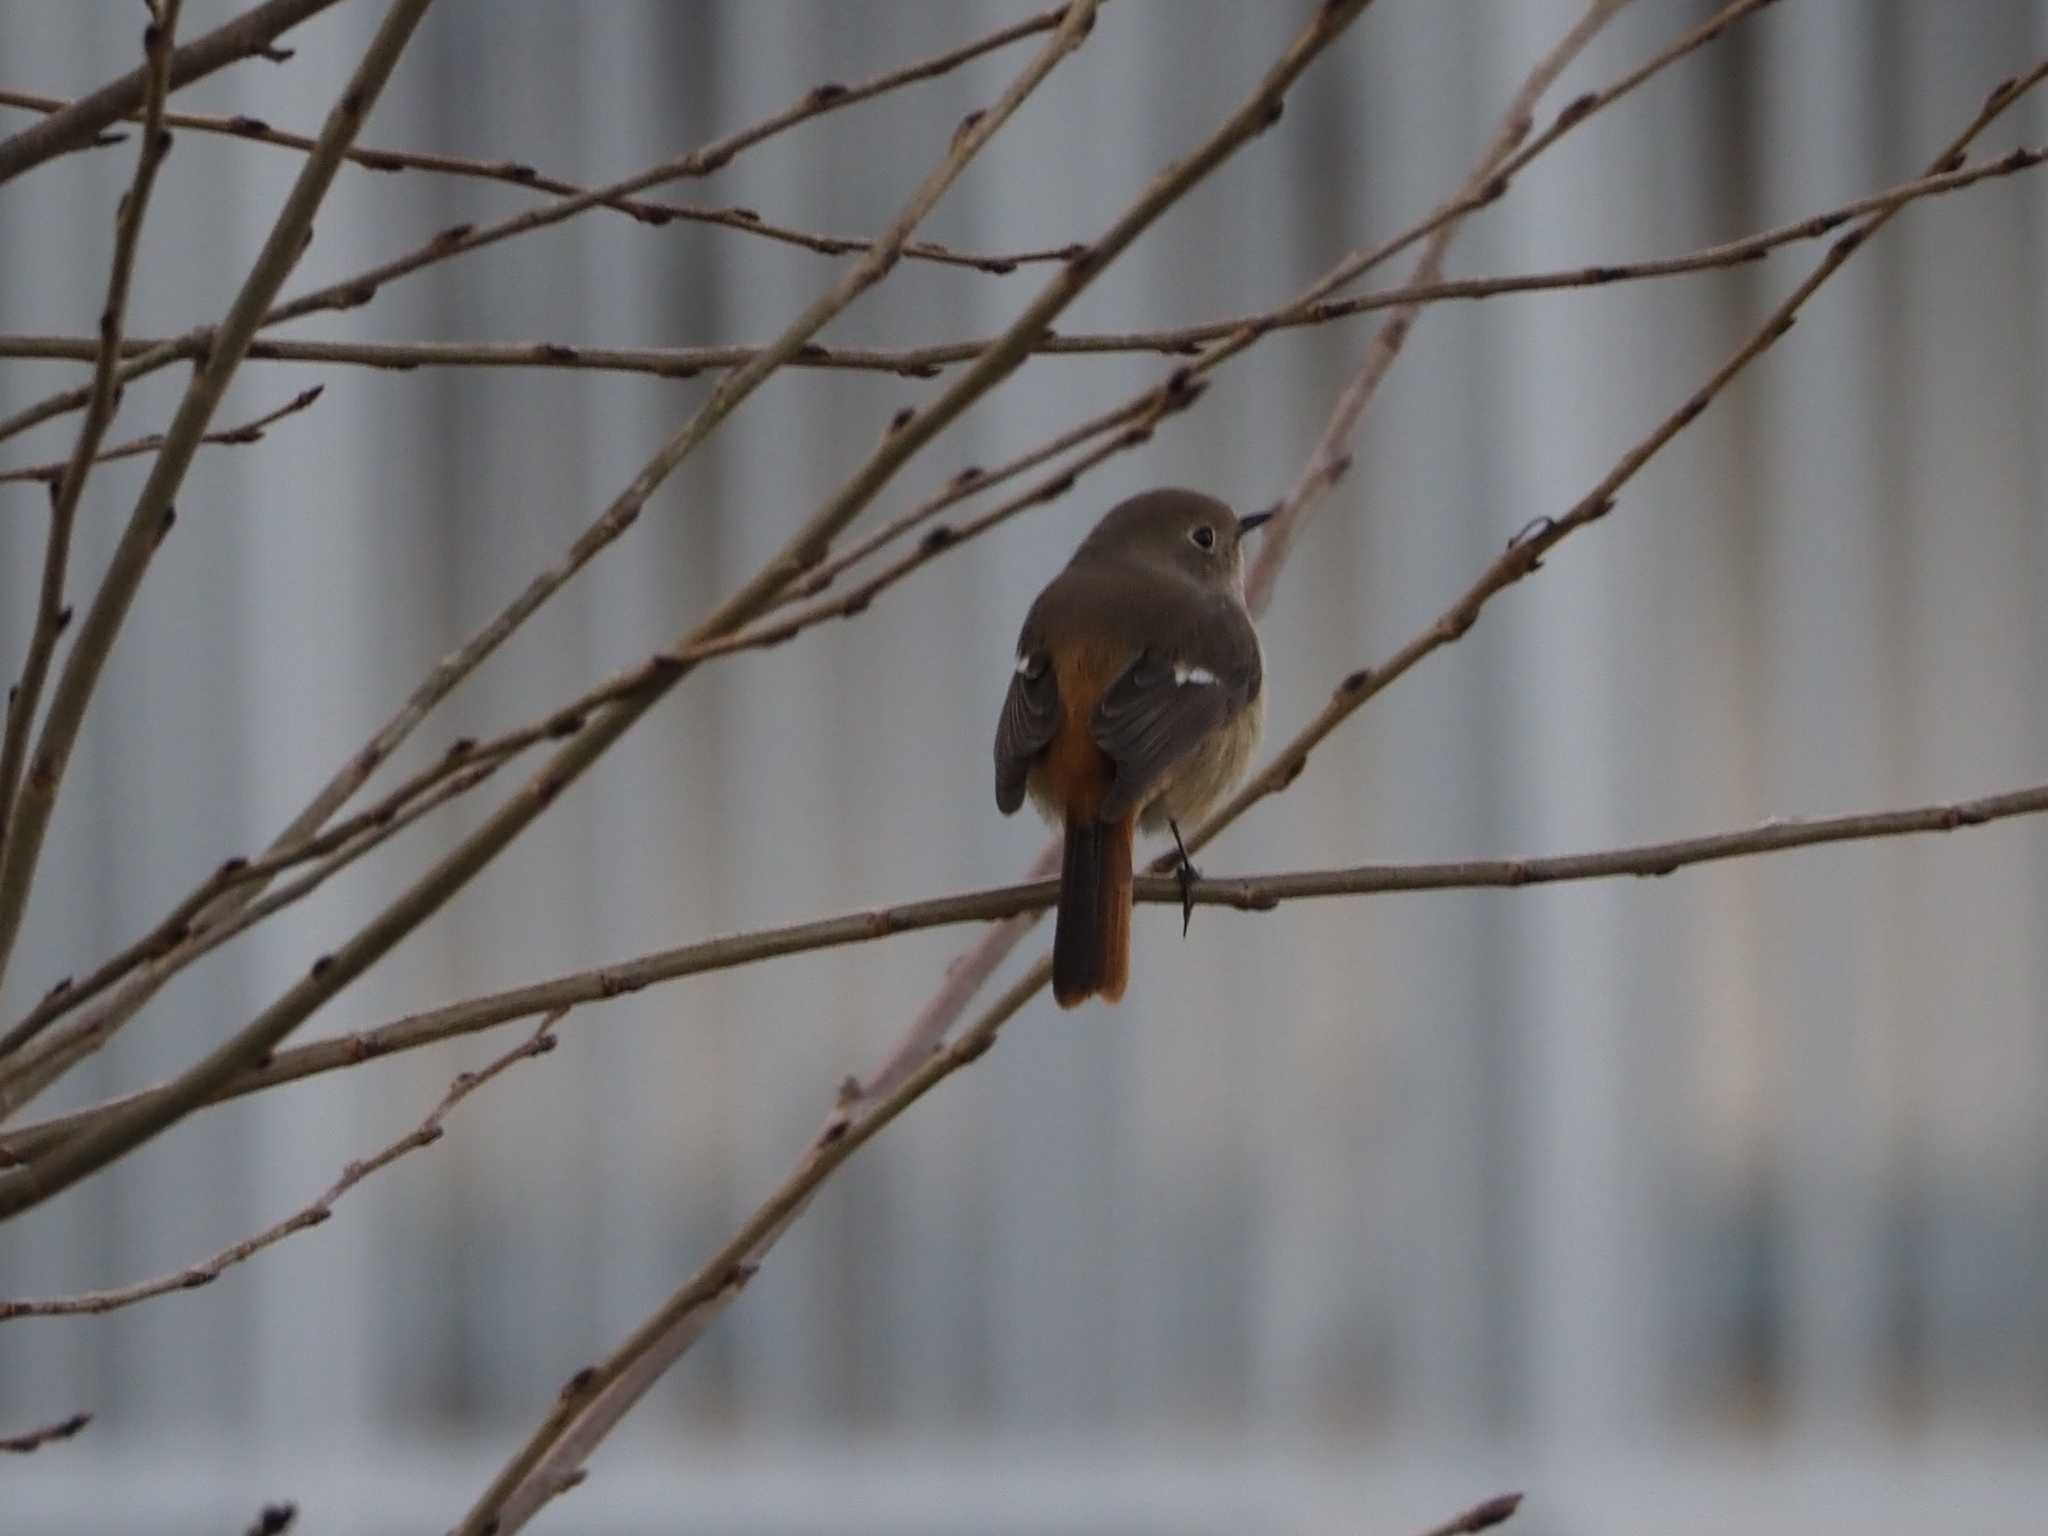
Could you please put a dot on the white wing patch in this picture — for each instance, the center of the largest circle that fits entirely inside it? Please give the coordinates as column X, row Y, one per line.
column 1183, row 674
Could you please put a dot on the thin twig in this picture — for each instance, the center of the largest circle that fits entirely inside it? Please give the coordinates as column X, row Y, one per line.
column 1245, row 893
column 195, row 931
column 1569, row 116
column 353, row 292
column 329, row 973
column 169, row 944
column 152, row 517
column 193, row 1276
column 646, row 211
column 248, row 432
column 36, row 1439
column 51, row 614
column 1330, row 457
column 81, row 124
column 1170, row 400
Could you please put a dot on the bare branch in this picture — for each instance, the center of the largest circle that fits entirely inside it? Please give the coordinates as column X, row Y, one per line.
column 1329, row 459
column 36, row 1439
column 1176, row 396
column 151, row 519
column 646, row 211
column 199, row 925
column 598, row 1396
column 193, row 1276
column 248, row 432
column 51, row 614
column 1573, row 113
column 80, row 124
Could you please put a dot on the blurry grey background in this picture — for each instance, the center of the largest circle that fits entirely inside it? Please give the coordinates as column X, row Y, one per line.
column 1718, row 1202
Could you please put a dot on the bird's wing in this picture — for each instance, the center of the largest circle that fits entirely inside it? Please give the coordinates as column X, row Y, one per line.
column 1031, row 713
column 1168, row 702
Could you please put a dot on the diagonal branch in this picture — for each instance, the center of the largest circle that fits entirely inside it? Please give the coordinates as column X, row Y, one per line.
column 193, row 930
column 152, row 517
column 80, row 124
column 1329, row 460
column 193, row 1276
column 51, row 614
column 250, row 431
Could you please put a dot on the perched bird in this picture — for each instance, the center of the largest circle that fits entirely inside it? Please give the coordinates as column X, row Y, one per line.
column 1135, row 703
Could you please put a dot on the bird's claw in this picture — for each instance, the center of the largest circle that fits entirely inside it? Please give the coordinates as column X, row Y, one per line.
column 1187, row 875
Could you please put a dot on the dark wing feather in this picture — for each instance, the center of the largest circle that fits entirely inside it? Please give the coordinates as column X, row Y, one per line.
column 1031, row 713
column 1147, row 723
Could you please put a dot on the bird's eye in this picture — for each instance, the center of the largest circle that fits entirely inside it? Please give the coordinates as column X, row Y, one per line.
column 1204, row 537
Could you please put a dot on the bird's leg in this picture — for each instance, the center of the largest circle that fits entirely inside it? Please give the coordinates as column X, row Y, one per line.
column 1187, row 874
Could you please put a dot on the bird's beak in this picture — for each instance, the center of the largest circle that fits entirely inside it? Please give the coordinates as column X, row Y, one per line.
column 1256, row 519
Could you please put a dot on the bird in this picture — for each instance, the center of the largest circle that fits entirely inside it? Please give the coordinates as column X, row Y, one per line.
column 1135, row 702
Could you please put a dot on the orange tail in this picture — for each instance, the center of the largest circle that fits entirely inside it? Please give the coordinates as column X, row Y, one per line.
column 1091, row 945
